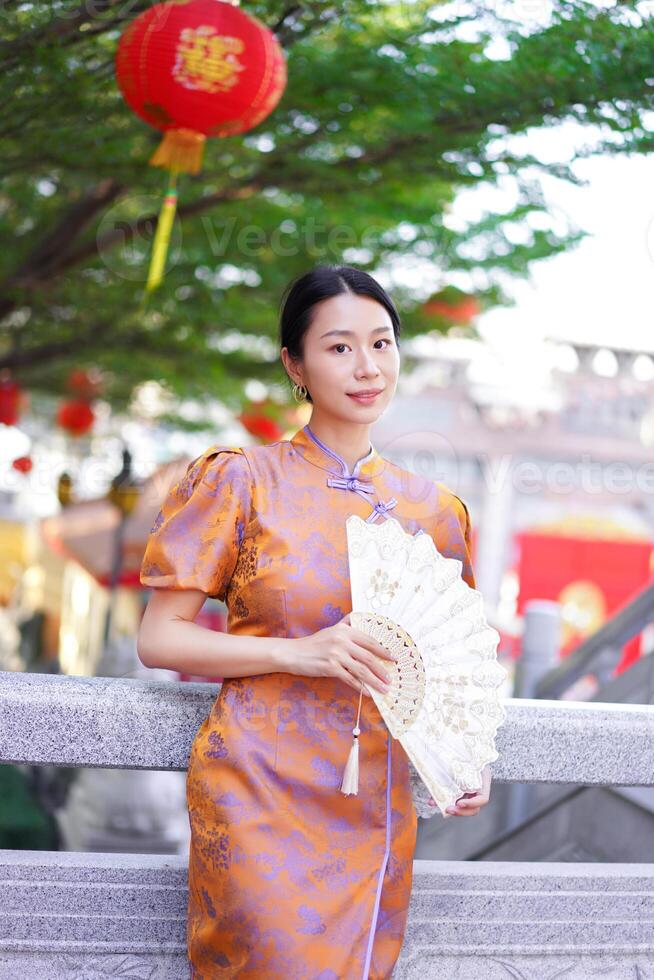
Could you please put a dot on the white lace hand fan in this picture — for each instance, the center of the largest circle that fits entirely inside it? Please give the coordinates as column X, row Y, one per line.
column 443, row 703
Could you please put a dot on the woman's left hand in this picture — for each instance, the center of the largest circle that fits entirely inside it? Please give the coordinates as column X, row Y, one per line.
column 471, row 803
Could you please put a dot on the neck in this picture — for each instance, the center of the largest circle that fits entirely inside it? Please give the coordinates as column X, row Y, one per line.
column 351, row 440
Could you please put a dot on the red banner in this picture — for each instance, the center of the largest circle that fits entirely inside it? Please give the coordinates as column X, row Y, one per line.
column 591, row 578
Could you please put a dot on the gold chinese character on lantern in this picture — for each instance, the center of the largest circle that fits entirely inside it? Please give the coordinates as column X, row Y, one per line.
column 207, row 60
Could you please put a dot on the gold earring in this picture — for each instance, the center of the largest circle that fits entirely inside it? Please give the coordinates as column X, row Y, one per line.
column 301, row 390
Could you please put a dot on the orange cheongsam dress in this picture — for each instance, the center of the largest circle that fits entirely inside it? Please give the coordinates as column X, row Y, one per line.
column 290, row 878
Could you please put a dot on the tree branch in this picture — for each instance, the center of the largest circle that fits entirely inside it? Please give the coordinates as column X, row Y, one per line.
column 32, row 357
column 46, row 259
column 59, row 30
column 92, row 339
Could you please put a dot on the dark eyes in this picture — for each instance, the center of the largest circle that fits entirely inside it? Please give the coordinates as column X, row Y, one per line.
column 382, row 340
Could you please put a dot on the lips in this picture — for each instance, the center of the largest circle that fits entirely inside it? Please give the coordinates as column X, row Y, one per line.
column 370, row 393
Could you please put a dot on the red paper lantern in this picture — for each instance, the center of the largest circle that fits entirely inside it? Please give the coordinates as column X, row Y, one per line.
column 75, row 416
column 196, row 69
column 260, row 426
column 10, row 397
column 452, row 304
column 23, row 464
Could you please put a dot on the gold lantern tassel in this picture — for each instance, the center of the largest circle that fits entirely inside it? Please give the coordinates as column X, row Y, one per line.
column 350, row 784
column 162, row 235
column 180, row 150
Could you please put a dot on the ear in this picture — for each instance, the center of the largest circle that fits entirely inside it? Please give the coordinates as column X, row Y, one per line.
column 291, row 366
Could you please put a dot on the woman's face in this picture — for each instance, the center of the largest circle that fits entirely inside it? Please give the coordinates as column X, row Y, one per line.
column 349, row 347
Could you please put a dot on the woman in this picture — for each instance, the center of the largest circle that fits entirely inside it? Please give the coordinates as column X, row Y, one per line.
column 288, row 875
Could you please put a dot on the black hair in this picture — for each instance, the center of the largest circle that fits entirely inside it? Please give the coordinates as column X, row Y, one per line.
column 322, row 282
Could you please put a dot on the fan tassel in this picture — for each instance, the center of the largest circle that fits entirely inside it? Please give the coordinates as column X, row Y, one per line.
column 350, row 784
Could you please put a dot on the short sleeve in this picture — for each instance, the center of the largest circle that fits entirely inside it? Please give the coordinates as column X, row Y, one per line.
column 195, row 539
column 467, row 572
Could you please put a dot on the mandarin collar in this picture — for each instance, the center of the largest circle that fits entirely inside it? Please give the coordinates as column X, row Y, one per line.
column 314, row 450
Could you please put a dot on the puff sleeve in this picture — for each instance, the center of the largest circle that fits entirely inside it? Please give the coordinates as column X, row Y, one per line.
column 195, row 539
column 467, row 572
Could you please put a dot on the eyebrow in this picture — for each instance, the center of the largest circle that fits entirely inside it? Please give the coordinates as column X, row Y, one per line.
column 350, row 333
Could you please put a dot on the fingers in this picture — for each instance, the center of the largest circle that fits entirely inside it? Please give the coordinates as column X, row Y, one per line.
column 456, row 810
column 370, row 679
column 365, row 659
column 368, row 643
column 473, row 803
column 468, row 805
column 473, row 798
column 367, row 667
column 353, row 682
column 451, row 809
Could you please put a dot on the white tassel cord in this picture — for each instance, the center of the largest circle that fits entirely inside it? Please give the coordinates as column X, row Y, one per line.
column 350, row 784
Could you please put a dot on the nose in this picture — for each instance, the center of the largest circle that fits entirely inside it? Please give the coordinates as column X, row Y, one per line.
column 366, row 365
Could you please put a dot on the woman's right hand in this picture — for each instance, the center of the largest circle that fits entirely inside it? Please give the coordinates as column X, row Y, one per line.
column 341, row 651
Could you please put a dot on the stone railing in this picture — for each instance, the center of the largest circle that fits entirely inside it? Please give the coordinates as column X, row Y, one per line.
column 79, row 915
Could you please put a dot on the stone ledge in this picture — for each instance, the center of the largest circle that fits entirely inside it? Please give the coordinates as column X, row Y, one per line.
column 125, row 723
column 428, row 963
column 490, row 918
column 420, row 963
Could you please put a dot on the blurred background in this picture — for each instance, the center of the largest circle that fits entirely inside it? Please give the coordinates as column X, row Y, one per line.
column 490, row 164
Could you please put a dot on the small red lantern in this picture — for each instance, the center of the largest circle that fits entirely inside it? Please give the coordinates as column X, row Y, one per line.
column 261, row 426
column 452, row 304
column 23, row 464
column 75, row 416
column 194, row 69
column 10, row 397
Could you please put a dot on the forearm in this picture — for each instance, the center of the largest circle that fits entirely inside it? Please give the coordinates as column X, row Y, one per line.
column 187, row 647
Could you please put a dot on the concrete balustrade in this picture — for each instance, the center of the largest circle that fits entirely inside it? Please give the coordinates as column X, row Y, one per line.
column 79, row 915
